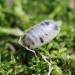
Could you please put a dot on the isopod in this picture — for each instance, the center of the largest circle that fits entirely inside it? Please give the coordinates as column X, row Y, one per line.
column 39, row 35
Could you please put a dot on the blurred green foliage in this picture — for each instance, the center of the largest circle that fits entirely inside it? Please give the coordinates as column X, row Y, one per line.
column 17, row 17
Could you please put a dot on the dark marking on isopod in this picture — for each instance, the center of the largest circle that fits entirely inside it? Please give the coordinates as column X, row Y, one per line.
column 32, row 43
column 56, row 27
column 47, row 23
column 41, row 39
column 46, row 34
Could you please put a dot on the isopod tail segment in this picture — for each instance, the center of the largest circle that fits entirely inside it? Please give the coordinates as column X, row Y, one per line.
column 31, row 50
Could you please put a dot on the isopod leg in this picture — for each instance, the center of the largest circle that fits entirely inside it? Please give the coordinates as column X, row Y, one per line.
column 49, row 64
column 33, row 51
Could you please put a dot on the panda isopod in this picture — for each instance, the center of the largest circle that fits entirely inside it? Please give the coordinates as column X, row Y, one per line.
column 40, row 34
